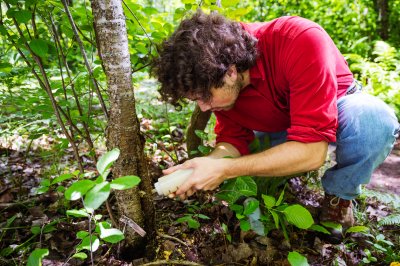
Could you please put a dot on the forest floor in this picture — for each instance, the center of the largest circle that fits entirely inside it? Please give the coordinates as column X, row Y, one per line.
column 218, row 239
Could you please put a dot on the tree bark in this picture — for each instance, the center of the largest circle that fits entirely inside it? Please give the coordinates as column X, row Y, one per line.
column 382, row 9
column 123, row 130
column 198, row 121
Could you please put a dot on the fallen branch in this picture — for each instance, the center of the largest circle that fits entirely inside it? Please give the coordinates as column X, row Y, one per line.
column 172, row 238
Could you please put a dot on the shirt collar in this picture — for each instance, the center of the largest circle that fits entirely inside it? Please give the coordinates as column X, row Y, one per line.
column 257, row 71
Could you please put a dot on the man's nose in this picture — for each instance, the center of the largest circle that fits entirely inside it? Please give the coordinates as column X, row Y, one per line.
column 203, row 106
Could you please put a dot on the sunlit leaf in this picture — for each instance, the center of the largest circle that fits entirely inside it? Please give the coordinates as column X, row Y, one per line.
column 298, row 216
column 39, row 47
column 35, row 259
column 296, row 259
column 106, row 161
column 97, row 195
column 78, row 189
column 125, row 182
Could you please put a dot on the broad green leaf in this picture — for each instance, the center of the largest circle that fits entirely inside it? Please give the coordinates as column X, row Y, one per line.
column 227, row 3
column 298, row 216
column 39, row 47
column 77, row 213
column 250, row 207
column 80, row 255
column 245, row 225
column 318, row 228
column 246, row 186
column 35, row 259
column 97, row 195
column 358, row 229
column 333, row 225
column 125, row 182
column 202, row 216
column 269, row 201
column 86, row 243
column 106, row 161
column 82, row 234
column 61, row 178
column 296, row 259
column 236, row 208
column 23, row 16
column 78, row 189
column 110, row 235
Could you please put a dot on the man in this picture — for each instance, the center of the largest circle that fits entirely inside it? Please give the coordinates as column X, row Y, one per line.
column 283, row 78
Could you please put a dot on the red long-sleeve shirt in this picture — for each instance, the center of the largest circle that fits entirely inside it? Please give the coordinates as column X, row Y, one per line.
column 295, row 83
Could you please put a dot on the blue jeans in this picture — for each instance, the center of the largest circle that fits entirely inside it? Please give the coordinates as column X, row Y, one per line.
column 367, row 131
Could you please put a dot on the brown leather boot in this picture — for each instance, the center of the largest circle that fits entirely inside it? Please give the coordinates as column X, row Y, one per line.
column 337, row 210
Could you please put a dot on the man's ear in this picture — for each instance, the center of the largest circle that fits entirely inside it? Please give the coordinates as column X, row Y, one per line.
column 231, row 75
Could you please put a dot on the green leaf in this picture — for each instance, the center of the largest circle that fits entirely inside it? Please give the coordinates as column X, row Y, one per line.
column 39, row 47
column 125, row 182
column 82, row 234
column 110, row 235
column 227, row 3
column 318, row 228
column 78, row 189
column 86, row 243
column 80, row 255
column 269, row 201
column 357, row 229
column 275, row 216
column 106, row 161
column 333, row 225
column 245, row 225
column 61, row 178
column 35, row 259
column 296, row 259
column 192, row 223
column 23, row 16
column 251, row 206
column 201, row 134
column 97, row 195
column 279, row 201
column 233, row 189
column 298, row 216
column 77, row 213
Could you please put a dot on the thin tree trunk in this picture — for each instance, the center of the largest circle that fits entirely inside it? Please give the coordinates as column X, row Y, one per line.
column 198, row 121
column 123, row 129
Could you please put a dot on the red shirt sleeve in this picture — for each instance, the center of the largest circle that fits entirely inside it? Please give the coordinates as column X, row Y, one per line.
column 311, row 73
column 231, row 132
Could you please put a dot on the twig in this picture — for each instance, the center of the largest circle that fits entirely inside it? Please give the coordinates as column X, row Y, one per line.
column 172, row 238
column 173, row 262
column 85, row 59
column 132, row 225
column 163, row 148
column 113, row 222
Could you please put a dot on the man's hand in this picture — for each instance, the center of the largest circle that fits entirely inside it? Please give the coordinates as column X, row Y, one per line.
column 208, row 174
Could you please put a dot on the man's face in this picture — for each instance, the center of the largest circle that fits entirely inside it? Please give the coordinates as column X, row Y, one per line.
column 223, row 98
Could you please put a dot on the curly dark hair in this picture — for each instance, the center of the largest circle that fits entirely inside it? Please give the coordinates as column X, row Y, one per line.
column 198, row 54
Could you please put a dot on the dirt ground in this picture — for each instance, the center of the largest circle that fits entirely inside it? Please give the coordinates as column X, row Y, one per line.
column 387, row 176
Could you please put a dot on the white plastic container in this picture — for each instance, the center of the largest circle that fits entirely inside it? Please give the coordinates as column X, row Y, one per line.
column 170, row 183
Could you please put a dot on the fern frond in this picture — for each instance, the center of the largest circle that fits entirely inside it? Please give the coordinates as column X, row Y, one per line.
column 387, row 198
column 393, row 219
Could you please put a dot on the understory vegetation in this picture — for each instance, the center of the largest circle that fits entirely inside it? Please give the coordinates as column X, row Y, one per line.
column 58, row 202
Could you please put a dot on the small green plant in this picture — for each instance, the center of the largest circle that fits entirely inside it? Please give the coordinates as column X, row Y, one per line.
column 296, row 259
column 92, row 193
column 262, row 216
column 380, row 247
column 192, row 217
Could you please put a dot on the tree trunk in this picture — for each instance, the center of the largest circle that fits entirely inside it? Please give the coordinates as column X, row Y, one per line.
column 382, row 9
column 198, row 121
column 123, row 130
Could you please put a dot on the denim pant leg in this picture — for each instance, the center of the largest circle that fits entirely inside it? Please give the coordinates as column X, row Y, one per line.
column 366, row 134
